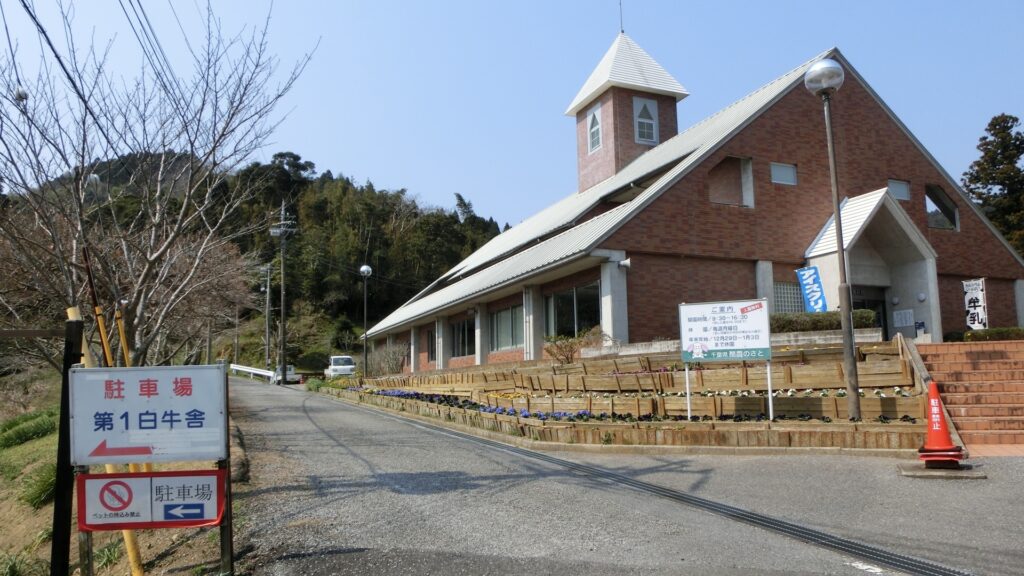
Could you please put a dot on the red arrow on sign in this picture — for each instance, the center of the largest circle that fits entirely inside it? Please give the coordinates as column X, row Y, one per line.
column 102, row 450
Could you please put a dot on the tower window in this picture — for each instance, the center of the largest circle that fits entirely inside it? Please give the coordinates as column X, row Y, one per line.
column 783, row 173
column 899, row 189
column 645, row 120
column 594, row 128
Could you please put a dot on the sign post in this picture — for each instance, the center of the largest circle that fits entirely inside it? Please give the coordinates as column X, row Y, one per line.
column 726, row 332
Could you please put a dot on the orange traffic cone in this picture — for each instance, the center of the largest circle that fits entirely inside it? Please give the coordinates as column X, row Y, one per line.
column 938, row 450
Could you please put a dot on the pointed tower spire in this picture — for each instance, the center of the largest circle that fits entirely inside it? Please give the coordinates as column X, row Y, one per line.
column 626, row 106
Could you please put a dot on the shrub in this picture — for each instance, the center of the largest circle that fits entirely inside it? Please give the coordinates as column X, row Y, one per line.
column 565, row 349
column 953, row 337
column 40, row 486
column 22, row 418
column 108, row 555
column 817, row 321
column 35, row 428
column 993, row 334
column 314, row 384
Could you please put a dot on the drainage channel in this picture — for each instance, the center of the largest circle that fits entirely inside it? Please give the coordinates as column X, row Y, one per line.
column 905, row 564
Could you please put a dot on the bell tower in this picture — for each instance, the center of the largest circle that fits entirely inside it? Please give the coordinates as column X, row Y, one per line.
column 626, row 107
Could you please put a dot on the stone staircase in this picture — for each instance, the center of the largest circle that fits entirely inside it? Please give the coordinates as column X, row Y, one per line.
column 982, row 386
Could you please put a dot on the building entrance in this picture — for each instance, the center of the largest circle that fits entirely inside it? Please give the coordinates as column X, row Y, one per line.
column 872, row 298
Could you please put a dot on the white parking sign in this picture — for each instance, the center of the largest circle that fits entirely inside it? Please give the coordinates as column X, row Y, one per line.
column 148, row 414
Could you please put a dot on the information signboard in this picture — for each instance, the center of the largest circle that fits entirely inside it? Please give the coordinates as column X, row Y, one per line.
column 975, row 305
column 181, row 499
column 147, row 414
column 725, row 331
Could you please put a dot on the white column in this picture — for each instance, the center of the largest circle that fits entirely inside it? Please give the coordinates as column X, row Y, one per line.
column 764, row 280
column 533, row 323
column 483, row 333
column 614, row 304
column 444, row 342
column 414, row 349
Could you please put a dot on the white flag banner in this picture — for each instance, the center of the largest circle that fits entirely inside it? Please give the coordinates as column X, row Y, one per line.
column 974, row 304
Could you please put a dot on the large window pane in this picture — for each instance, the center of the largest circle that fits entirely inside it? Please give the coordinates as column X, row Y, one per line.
column 517, row 327
column 565, row 314
column 588, row 307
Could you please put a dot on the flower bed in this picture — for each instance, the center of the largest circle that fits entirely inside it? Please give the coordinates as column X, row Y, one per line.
column 587, row 427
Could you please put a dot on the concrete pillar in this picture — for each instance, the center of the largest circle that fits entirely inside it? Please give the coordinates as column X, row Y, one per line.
column 533, row 323
column 444, row 342
column 614, row 304
column 1018, row 293
column 764, row 280
column 483, row 334
column 414, row 349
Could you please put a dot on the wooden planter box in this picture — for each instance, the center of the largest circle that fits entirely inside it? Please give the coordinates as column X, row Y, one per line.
column 699, row 405
column 816, row 407
column 750, row 405
column 873, row 407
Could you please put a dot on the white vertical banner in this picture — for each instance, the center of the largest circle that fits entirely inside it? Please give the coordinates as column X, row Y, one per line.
column 974, row 304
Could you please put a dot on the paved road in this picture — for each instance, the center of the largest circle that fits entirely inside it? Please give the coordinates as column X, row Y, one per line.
column 338, row 489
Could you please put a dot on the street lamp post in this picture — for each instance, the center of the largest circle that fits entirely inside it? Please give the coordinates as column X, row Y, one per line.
column 266, row 316
column 365, row 272
column 282, row 230
column 823, row 79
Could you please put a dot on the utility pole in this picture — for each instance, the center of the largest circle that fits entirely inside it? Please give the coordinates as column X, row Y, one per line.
column 266, row 317
column 235, row 348
column 282, row 230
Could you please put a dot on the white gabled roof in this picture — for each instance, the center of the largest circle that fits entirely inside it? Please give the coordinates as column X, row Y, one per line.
column 857, row 213
column 626, row 65
column 569, row 245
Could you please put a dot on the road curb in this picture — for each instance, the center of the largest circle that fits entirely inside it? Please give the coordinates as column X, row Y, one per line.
column 239, row 458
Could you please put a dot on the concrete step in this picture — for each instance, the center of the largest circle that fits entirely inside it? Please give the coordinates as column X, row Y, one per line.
column 985, row 410
column 980, row 387
column 975, row 398
column 990, row 437
column 1009, row 424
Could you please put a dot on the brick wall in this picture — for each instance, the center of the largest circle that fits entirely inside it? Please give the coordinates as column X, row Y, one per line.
column 658, row 283
column 999, row 297
column 577, row 279
column 595, row 167
column 870, row 149
column 510, row 355
column 423, row 332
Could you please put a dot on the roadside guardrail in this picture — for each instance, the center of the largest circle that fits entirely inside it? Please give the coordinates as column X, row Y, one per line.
column 238, row 368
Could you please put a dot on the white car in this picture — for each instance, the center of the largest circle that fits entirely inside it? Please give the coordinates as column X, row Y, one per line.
column 340, row 366
column 292, row 378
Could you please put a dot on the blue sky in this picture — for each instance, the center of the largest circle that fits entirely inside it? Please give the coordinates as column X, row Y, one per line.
column 468, row 96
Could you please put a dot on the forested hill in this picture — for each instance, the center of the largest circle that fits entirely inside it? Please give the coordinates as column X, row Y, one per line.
column 341, row 225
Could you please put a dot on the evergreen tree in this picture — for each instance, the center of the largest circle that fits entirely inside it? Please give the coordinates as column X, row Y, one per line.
column 996, row 180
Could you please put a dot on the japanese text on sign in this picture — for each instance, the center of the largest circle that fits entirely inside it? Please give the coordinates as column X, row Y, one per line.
column 974, row 303
column 723, row 331
column 151, row 499
column 153, row 414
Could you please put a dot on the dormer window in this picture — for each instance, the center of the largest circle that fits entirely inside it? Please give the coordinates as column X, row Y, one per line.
column 645, row 120
column 594, row 128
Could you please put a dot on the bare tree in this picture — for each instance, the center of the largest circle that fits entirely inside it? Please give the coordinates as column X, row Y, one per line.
column 139, row 172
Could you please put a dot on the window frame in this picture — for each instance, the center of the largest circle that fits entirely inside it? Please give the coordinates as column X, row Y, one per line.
column 514, row 320
column 431, row 346
column 945, row 204
column 889, row 186
column 783, row 165
column 594, row 114
column 638, row 104
column 550, row 313
column 463, row 333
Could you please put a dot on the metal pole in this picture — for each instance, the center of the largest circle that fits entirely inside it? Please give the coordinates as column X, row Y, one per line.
column 60, row 548
column 845, row 300
column 282, row 361
column 227, row 531
column 366, row 341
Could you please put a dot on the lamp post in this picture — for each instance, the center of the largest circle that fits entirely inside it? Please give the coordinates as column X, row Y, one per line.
column 282, row 230
column 365, row 272
column 823, row 79
column 266, row 315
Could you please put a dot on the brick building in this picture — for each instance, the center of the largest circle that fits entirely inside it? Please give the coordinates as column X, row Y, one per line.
column 727, row 209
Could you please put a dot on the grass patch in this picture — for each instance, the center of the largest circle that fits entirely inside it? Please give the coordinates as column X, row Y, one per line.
column 22, row 565
column 314, row 384
column 108, row 555
column 23, row 418
column 14, row 460
column 40, row 486
column 38, row 427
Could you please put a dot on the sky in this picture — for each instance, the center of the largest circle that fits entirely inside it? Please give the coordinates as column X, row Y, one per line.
column 468, row 96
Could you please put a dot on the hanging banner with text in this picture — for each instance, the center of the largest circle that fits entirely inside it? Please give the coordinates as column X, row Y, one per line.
column 812, row 290
column 180, row 499
column 725, row 331
column 147, row 414
column 974, row 303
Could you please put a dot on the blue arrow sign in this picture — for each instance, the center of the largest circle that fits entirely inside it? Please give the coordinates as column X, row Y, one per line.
column 189, row 511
